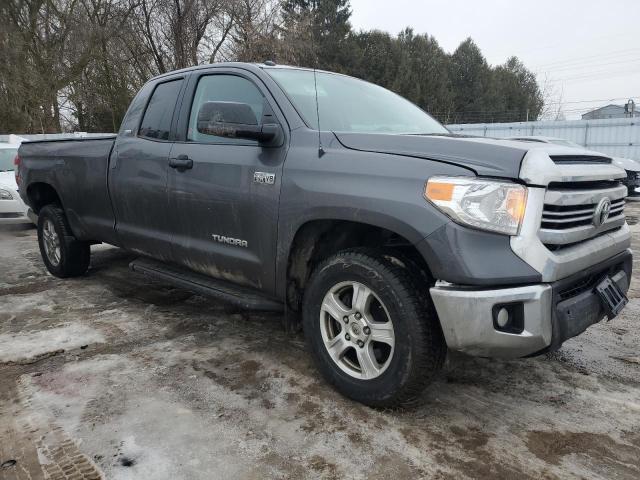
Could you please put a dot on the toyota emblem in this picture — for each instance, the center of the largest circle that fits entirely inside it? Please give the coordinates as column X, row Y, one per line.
column 601, row 213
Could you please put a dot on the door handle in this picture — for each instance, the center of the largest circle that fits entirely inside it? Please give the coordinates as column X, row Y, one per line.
column 181, row 162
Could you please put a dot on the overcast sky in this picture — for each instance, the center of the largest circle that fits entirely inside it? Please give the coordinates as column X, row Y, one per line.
column 581, row 50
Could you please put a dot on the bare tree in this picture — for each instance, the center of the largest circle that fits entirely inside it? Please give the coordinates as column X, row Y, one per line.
column 255, row 32
column 77, row 63
column 50, row 48
column 177, row 32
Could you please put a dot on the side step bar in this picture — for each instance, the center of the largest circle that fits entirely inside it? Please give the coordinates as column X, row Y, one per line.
column 181, row 277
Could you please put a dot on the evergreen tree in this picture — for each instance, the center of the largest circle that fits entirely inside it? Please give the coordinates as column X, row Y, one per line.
column 423, row 76
column 518, row 91
column 321, row 28
column 470, row 84
column 375, row 57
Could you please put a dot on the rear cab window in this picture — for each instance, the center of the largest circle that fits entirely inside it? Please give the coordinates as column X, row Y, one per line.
column 156, row 123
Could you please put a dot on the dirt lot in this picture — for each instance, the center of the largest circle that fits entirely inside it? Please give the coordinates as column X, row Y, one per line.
column 112, row 375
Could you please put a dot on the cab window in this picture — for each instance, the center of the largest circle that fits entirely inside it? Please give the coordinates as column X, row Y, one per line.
column 224, row 88
column 156, row 123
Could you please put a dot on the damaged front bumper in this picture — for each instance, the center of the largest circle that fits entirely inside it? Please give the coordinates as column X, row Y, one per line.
column 538, row 317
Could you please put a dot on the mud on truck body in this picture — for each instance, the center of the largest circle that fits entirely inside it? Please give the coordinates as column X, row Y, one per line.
column 343, row 205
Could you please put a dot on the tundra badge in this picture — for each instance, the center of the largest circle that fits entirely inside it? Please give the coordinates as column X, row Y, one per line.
column 264, row 177
column 230, row 241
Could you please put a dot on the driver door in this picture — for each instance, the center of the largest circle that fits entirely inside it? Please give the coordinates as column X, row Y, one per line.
column 223, row 214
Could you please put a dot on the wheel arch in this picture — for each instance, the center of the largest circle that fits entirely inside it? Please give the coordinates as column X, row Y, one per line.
column 317, row 239
column 41, row 194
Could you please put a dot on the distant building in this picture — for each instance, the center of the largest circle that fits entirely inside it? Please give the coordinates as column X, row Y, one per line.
column 609, row 111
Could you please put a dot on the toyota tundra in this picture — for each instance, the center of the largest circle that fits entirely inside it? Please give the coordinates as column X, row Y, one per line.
column 349, row 209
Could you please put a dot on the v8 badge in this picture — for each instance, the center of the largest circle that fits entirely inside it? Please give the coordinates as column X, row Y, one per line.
column 264, row 178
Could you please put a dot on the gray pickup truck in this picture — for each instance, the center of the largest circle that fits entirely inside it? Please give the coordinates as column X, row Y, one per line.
column 349, row 209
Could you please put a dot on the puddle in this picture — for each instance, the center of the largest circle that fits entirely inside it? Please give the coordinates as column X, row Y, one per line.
column 127, row 462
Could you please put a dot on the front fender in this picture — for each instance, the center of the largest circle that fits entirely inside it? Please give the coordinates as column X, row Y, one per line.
column 380, row 190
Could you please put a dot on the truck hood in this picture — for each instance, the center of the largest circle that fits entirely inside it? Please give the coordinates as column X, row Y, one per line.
column 485, row 156
column 626, row 163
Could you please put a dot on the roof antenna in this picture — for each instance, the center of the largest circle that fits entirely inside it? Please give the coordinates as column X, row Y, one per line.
column 315, row 84
column 320, row 149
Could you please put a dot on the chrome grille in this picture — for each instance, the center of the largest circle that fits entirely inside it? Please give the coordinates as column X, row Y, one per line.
column 568, row 214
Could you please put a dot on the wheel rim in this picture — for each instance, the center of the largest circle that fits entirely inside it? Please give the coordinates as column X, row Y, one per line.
column 51, row 242
column 357, row 330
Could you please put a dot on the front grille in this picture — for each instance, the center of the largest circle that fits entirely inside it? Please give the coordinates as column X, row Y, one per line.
column 588, row 282
column 569, row 211
column 11, row 215
column 564, row 217
column 579, row 159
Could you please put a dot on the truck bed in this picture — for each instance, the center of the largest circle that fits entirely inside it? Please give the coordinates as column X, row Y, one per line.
column 78, row 171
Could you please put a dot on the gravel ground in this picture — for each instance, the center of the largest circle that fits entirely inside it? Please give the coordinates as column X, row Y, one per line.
column 115, row 376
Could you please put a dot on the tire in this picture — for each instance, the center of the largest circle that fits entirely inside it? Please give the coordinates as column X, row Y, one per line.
column 412, row 349
column 63, row 255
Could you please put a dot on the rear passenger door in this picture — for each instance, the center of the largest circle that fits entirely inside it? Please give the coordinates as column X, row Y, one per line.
column 138, row 172
column 224, row 209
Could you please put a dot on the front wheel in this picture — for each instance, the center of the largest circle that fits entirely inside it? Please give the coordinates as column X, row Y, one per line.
column 63, row 255
column 371, row 330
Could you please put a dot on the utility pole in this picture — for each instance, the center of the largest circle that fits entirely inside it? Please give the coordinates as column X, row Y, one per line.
column 630, row 108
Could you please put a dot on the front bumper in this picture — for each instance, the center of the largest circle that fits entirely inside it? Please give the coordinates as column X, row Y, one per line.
column 550, row 312
column 632, row 182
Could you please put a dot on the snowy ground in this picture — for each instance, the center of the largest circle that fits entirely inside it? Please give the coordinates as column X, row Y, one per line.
column 112, row 375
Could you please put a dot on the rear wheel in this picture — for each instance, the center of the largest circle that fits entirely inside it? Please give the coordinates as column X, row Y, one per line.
column 370, row 330
column 63, row 255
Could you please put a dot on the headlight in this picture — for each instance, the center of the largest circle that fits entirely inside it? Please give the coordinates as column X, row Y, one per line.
column 5, row 194
column 485, row 204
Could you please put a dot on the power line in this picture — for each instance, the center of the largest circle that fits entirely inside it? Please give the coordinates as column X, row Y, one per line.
column 616, row 53
column 594, row 65
column 594, row 76
column 592, row 101
column 492, row 112
column 554, row 45
column 594, row 73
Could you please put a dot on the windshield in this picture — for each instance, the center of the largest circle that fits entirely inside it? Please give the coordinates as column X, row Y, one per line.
column 347, row 104
column 6, row 159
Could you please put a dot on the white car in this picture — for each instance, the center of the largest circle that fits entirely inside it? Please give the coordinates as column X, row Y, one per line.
column 12, row 208
column 632, row 167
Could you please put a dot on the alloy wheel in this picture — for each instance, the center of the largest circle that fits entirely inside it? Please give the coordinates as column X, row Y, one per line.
column 51, row 242
column 357, row 330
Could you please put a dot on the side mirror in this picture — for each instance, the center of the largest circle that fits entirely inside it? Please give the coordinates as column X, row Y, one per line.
column 235, row 120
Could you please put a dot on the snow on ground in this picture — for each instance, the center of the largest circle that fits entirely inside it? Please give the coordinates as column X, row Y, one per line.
column 22, row 347
column 172, row 385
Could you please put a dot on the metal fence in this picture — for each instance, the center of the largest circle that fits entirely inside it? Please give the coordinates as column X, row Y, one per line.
column 615, row 137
